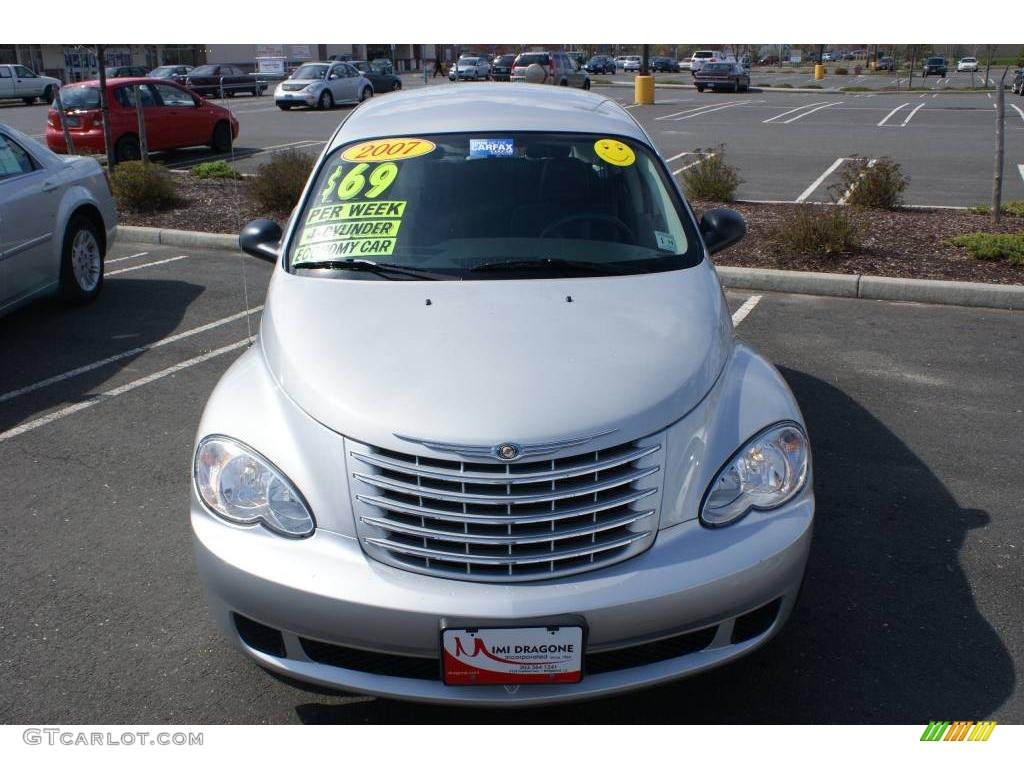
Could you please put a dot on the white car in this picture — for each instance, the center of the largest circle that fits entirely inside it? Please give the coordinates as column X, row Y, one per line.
column 967, row 64
column 470, row 68
column 700, row 58
column 632, row 64
column 57, row 219
column 19, row 82
column 322, row 85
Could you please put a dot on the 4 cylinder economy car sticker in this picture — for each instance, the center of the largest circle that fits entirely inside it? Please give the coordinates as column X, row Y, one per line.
column 337, row 228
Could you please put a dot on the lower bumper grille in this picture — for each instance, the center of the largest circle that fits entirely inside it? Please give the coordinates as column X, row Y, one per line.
column 483, row 521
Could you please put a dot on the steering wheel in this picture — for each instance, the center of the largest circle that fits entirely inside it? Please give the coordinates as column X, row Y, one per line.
column 606, row 217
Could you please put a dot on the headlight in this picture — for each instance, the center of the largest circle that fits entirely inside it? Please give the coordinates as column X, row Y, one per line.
column 764, row 474
column 238, row 484
column 312, row 87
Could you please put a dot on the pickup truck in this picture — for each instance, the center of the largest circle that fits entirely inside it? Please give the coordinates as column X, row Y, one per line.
column 20, row 82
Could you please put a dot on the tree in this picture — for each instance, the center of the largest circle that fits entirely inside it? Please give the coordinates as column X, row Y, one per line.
column 997, row 176
column 990, row 51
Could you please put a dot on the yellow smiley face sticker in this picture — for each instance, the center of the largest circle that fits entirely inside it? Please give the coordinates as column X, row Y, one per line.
column 614, row 152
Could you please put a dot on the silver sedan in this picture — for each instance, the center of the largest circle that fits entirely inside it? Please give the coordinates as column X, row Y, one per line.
column 57, row 219
column 322, row 85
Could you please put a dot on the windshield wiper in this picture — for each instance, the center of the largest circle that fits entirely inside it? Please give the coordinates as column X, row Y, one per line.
column 365, row 265
column 567, row 265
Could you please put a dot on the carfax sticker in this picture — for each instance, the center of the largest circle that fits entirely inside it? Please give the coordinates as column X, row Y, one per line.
column 665, row 241
column 491, row 147
column 614, row 152
column 387, row 149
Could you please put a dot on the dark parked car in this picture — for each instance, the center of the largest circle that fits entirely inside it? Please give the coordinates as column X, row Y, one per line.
column 382, row 78
column 885, row 62
column 1018, row 82
column 936, row 65
column 603, row 65
column 210, row 79
column 127, row 71
column 176, row 72
column 768, row 61
column 501, row 69
column 664, row 64
column 722, row 75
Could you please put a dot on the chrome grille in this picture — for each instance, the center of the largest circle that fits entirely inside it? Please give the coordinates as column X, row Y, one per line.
column 520, row 521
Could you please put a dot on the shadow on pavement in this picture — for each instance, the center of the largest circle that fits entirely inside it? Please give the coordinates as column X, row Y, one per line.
column 886, row 631
column 47, row 338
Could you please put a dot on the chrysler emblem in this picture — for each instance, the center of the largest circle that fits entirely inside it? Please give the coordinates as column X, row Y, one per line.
column 507, row 451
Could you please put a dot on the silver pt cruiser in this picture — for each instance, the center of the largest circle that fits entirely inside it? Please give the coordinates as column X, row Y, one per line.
column 497, row 443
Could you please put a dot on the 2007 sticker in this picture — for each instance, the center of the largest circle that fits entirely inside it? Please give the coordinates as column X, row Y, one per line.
column 380, row 150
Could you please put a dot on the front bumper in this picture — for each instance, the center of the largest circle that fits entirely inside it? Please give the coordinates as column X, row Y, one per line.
column 377, row 622
column 296, row 97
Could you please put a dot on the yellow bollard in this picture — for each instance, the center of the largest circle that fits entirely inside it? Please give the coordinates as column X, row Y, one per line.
column 819, row 71
column 643, row 89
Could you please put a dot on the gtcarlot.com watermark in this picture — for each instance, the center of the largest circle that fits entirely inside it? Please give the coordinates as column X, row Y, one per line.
column 72, row 737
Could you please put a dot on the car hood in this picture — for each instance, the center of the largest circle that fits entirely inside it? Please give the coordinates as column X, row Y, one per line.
column 489, row 360
column 301, row 83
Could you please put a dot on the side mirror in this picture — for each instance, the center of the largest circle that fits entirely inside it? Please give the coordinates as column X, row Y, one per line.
column 261, row 238
column 722, row 228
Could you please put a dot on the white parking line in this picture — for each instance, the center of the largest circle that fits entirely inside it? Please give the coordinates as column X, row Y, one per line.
column 125, row 258
column 912, row 113
column 884, row 119
column 695, row 162
column 701, row 108
column 745, row 309
column 676, row 157
column 817, row 182
column 1019, row 111
column 848, row 192
column 116, row 391
column 144, row 266
column 791, row 111
column 121, row 355
column 811, row 112
column 710, row 110
column 1020, row 167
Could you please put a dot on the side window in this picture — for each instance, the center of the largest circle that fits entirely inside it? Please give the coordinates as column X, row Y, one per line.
column 14, row 160
column 5, row 72
column 125, row 96
column 351, row 71
column 337, row 71
column 23, row 72
column 173, row 97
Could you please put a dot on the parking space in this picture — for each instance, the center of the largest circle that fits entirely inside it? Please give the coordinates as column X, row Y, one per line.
column 783, row 143
column 912, row 411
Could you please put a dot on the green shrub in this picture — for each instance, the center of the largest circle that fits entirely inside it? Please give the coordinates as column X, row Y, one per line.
column 712, row 178
column 279, row 183
column 842, row 71
column 872, row 185
column 809, row 229
column 987, row 246
column 1013, row 208
column 762, row 85
column 217, row 169
column 141, row 186
column 784, row 85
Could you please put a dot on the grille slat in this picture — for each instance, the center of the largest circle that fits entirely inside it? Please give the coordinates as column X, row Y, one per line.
column 505, row 477
column 504, row 559
column 506, row 522
column 510, row 539
column 428, row 492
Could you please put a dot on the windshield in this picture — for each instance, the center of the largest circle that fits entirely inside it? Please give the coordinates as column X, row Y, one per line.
column 207, row 71
column 702, row 55
column 527, row 59
column 717, row 68
column 310, row 72
column 936, row 60
column 468, row 62
column 493, row 206
column 80, row 97
column 162, row 71
column 505, row 60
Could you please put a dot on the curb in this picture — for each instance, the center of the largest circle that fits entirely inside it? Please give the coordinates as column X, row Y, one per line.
column 180, row 237
column 951, row 292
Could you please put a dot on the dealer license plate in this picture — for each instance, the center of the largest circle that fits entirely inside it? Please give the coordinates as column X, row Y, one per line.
column 517, row 655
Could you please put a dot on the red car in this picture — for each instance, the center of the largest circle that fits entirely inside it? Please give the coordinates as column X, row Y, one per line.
column 175, row 117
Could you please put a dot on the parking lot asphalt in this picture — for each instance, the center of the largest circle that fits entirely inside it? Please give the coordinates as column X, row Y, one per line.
column 787, row 146
column 912, row 610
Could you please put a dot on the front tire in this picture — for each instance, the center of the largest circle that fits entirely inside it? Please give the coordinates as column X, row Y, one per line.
column 326, row 101
column 81, row 267
column 285, row 107
column 586, row 85
column 700, row 89
column 367, row 93
column 29, row 100
column 221, row 139
column 397, row 86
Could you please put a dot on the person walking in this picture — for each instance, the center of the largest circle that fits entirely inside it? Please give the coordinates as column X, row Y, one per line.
column 438, row 69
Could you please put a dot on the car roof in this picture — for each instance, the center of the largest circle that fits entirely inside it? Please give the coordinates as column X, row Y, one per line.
column 488, row 108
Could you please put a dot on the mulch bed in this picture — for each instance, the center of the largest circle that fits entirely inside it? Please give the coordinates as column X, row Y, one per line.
column 907, row 243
